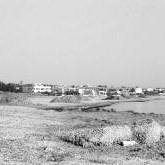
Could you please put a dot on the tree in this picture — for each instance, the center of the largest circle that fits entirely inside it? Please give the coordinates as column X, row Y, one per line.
column 132, row 90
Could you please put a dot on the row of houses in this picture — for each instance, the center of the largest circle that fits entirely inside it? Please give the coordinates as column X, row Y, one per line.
column 87, row 90
column 36, row 88
column 129, row 92
column 62, row 89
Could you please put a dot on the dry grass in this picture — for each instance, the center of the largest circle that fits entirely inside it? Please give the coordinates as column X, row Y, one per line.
column 31, row 136
column 13, row 98
column 163, row 131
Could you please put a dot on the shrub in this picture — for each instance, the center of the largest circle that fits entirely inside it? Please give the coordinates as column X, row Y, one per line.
column 115, row 134
column 147, row 131
column 98, row 136
column 77, row 137
column 13, row 98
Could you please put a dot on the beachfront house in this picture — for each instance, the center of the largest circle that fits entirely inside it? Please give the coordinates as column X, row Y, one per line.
column 86, row 90
column 138, row 91
column 57, row 90
column 41, row 88
column 102, row 90
column 150, row 89
column 36, row 88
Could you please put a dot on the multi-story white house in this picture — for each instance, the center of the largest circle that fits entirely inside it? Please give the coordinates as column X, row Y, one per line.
column 138, row 90
column 41, row 88
column 87, row 90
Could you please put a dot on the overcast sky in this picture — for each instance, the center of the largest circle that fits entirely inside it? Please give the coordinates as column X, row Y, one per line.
column 114, row 42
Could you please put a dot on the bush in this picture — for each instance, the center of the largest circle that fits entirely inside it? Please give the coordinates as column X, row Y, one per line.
column 115, row 134
column 13, row 98
column 99, row 136
column 147, row 131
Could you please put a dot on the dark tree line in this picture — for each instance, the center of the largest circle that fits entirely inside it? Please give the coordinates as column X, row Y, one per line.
column 10, row 87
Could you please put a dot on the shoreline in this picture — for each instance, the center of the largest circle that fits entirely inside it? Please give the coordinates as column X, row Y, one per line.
column 91, row 105
column 85, row 105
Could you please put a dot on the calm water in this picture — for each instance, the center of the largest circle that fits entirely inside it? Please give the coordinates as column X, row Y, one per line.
column 156, row 106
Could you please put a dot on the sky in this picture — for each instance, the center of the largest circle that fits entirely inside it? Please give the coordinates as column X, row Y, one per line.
column 111, row 42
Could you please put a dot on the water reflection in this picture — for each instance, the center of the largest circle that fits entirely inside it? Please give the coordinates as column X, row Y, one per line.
column 156, row 106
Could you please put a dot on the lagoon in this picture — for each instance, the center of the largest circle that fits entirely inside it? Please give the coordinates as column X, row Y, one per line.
column 152, row 106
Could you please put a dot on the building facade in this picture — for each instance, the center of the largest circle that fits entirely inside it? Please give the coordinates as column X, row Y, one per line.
column 36, row 88
column 41, row 88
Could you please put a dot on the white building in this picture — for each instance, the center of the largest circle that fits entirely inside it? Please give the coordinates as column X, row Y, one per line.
column 41, row 88
column 138, row 90
column 150, row 89
column 87, row 91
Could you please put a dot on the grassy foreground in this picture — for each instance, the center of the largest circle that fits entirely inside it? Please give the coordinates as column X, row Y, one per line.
column 31, row 136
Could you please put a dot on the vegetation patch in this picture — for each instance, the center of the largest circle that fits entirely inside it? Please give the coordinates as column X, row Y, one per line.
column 13, row 98
column 58, row 156
column 147, row 131
column 72, row 99
column 99, row 136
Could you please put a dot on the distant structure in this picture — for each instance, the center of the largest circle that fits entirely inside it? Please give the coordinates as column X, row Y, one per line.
column 87, row 90
column 36, row 88
column 27, row 88
column 41, row 88
column 138, row 90
column 102, row 90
